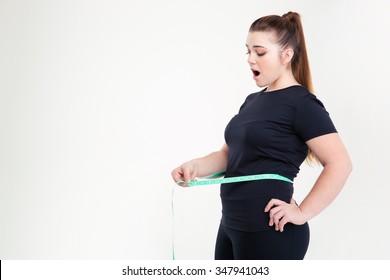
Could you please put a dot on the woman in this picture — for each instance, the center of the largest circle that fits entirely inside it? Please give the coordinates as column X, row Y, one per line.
column 275, row 130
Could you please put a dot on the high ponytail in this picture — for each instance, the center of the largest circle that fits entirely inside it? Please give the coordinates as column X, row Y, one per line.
column 300, row 63
column 289, row 33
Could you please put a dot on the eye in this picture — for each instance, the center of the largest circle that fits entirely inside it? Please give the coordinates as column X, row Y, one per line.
column 258, row 54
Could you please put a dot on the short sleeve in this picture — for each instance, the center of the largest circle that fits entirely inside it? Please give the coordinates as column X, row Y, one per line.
column 312, row 119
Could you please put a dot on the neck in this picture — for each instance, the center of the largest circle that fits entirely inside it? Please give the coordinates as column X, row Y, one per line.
column 284, row 81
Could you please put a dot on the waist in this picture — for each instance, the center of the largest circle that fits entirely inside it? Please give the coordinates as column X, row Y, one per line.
column 249, row 190
column 237, row 179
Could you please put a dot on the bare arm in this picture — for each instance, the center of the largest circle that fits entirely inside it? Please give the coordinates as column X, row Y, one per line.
column 204, row 166
column 337, row 166
column 332, row 154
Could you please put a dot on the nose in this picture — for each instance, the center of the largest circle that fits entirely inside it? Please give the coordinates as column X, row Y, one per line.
column 251, row 60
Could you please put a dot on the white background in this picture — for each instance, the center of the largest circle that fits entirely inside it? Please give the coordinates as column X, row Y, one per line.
column 100, row 100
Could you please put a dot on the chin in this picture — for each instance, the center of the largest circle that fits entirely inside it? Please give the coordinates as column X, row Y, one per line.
column 260, row 84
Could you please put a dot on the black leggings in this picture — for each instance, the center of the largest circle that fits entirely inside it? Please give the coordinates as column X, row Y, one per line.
column 291, row 244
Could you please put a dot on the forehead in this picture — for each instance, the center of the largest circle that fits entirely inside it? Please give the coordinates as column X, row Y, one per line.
column 263, row 39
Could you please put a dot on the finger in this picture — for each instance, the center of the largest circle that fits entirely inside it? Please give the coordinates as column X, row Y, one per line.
column 187, row 175
column 276, row 223
column 177, row 175
column 273, row 202
column 277, row 217
column 287, row 218
column 272, row 222
column 283, row 222
column 269, row 205
column 178, row 180
column 272, row 214
column 181, row 183
column 276, row 209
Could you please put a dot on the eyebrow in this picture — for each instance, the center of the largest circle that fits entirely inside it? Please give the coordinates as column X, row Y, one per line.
column 256, row 46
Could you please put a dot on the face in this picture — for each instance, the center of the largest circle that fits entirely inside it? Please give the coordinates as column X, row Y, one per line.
column 265, row 59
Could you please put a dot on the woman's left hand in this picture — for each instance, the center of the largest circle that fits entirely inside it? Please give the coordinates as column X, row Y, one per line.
column 281, row 213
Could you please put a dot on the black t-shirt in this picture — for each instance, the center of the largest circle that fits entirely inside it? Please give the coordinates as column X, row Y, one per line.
column 268, row 135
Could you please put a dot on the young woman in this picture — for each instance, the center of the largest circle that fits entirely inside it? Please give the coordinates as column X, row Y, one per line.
column 275, row 130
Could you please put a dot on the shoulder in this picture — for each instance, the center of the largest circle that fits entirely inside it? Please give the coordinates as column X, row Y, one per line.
column 310, row 100
column 301, row 97
column 300, row 93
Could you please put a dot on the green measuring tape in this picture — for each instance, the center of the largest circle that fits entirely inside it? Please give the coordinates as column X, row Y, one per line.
column 215, row 179
column 209, row 181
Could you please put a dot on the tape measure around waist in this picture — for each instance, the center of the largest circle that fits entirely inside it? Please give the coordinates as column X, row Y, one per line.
column 209, row 181
column 215, row 179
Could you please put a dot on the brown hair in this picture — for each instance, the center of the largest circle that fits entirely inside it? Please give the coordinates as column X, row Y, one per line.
column 289, row 33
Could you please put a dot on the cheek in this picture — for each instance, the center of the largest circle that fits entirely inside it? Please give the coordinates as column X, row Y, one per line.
column 265, row 65
column 270, row 65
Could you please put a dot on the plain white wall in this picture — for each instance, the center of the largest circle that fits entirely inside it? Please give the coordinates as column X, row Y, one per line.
column 100, row 100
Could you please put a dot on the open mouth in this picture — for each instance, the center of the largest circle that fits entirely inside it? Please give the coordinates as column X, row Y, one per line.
column 255, row 73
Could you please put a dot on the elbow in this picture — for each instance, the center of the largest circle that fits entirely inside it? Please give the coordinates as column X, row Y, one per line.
column 342, row 166
column 346, row 168
column 348, row 165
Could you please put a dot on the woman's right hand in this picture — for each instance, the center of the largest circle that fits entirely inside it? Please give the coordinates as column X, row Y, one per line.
column 185, row 172
column 200, row 167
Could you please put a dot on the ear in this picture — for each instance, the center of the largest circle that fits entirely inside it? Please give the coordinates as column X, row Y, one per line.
column 287, row 55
